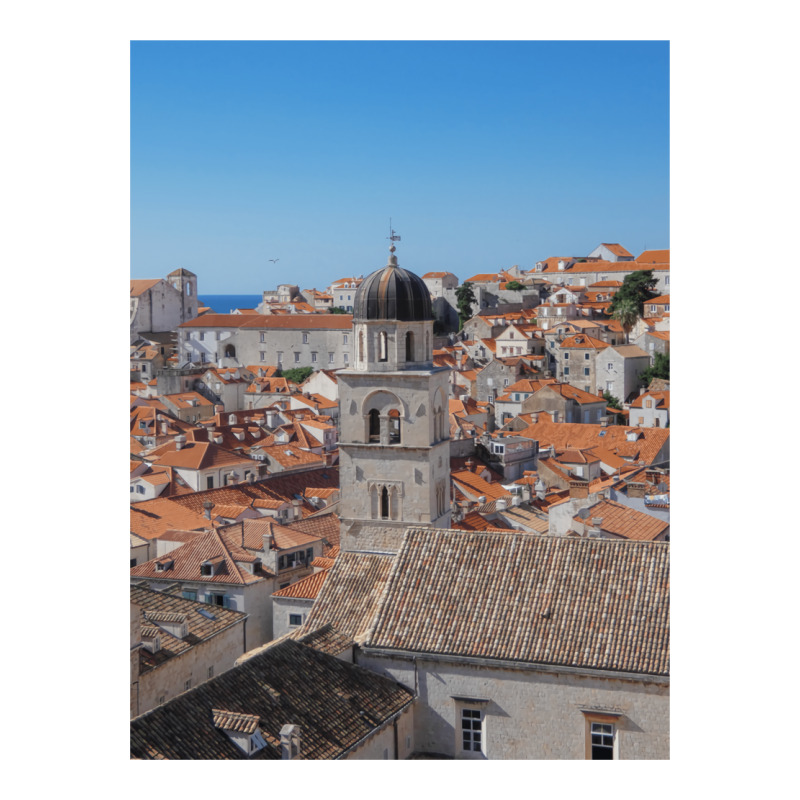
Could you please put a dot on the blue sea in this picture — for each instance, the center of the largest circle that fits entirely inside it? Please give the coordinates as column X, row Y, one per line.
column 225, row 303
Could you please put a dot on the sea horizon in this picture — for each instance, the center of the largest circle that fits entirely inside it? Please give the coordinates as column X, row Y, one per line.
column 225, row 303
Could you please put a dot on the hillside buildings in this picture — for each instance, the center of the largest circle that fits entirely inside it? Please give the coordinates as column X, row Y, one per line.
column 440, row 545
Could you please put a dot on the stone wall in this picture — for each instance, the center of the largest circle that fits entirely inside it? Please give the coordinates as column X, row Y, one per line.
column 169, row 679
column 528, row 713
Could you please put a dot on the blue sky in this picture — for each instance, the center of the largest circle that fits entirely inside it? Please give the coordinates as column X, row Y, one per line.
column 484, row 154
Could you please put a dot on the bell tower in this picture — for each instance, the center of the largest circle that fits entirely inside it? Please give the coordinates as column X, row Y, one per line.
column 394, row 444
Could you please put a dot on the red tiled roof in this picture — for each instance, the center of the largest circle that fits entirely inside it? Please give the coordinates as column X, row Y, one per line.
column 307, row 588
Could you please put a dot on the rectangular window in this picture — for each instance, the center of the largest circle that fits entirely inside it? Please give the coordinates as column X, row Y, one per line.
column 602, row 741
column 202, row 335
column 566, row 356
column 263, row 355
column 344, row 341
column 210, row 672
column 305, row 338
column 297, row 358
column 262, row 337
column 187, row 685
column 585, row 356
column 310, row 554
column 295, row 619
column 313, row 358
column 280, row 357
column 210, row 482
column 346, row 358
column 586, row 371
column 566, row 370
column 472, row 729
column 133, row 562
column 330, row 358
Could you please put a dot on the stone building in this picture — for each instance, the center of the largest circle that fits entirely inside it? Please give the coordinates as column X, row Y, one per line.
column 518, row 646
column 179, row 644
column 162, row 304
column 294, row 340
column 394, row 439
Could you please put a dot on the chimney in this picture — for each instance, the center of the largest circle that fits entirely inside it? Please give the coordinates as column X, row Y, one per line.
column 207, row 506
column 218, row 409
column 296, row 513
column 578, row 489
column 267, row 539
column 534, row 417
column 180, row 441
column 501, row 505
column 554, row 415
column 290, row 742
column 636, row 489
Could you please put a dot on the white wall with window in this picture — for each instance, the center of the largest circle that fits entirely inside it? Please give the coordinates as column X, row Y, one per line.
column 530, row 712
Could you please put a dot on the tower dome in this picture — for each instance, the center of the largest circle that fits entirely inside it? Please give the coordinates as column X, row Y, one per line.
column 392, row 293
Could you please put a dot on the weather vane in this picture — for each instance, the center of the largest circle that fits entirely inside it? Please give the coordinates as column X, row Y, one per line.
column 393, row 237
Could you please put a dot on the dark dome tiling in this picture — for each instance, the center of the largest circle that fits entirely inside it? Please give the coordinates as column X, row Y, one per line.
column 392, row 293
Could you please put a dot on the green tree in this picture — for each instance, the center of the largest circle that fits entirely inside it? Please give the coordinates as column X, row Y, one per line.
column 515, row 286
column 638, row 287
column 627, row 313
column 297, row 374
column 339, row 310
column 465, row 298
column 613, row 402
column 659, row 369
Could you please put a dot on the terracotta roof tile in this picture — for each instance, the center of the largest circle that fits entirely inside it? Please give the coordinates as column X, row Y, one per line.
column 307, row 588
column 348, row 602
column 596, row 604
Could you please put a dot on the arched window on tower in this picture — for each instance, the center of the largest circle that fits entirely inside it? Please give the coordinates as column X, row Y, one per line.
column 374, row 425
column 410, row 346
column 230, row 351
column 383, row 347
column 361, row 356
column 394, row 426
column 188, row 289
column 384, row 503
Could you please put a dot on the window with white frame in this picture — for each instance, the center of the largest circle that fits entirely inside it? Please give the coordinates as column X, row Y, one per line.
column 313, row 358
column 472, row 730
column 586, row 371
column 330, row 358
column 297, row 358
column 586, row 356
column 602, row 741
column 305, row 338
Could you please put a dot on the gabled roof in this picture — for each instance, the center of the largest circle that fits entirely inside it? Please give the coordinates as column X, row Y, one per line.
column 661, row 399
column 625, row 522
column 305, row 589
column 187, row 559
column 590, row 604
column 335, row 704
column 654, row 257
column 152, row 518
column 617, row 249
column 141, row 286
column 198, row 456
column 200, row 626
column 583, row 341
column 350, row 594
